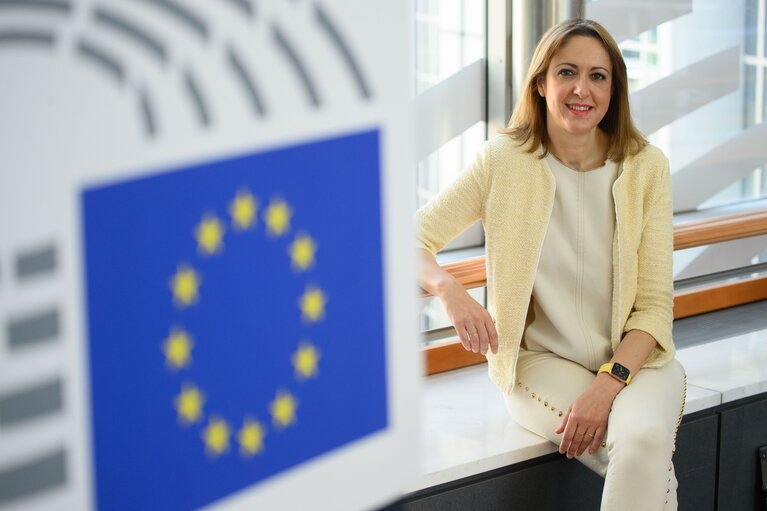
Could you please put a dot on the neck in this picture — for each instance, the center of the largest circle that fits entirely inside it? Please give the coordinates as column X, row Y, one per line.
column 579, row 152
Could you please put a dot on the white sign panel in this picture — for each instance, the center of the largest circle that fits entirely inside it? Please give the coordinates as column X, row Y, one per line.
column 206, row 272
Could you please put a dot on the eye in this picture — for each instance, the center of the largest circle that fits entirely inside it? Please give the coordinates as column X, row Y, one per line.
column 566, row 72
column 599, row 76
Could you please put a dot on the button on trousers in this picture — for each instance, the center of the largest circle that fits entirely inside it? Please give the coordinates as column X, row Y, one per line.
column 635, row 459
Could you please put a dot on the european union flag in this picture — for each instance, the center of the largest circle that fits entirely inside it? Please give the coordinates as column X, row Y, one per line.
column 236, row 323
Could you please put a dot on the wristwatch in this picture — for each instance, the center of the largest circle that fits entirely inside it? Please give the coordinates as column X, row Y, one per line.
column 617, row 371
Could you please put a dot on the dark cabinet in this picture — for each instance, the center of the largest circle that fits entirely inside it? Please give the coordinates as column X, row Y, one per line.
column 695, row 463
column 743, row 430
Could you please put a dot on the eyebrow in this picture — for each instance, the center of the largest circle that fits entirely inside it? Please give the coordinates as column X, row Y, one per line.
column 576, row 66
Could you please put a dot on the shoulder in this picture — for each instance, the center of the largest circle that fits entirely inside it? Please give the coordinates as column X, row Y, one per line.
column 505, row 143
column 503, row 150
column 649, row 157
column 647, row 169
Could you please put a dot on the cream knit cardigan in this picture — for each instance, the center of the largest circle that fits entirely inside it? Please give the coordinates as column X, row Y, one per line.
column 512, row 192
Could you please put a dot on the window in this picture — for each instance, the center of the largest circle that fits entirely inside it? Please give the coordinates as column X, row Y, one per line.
column 450, row 39
column 450, row 35
column 697, row 81
column 697, row 73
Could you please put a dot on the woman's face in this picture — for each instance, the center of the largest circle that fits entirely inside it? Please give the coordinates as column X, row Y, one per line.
column 577, row 87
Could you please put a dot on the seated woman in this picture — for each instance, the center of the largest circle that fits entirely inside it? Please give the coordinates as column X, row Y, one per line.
column 576, row 208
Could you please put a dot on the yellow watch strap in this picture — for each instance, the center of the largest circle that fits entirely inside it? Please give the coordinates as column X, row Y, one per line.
column 608, row 368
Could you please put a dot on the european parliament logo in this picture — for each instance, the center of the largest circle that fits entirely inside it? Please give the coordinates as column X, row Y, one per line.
column 236, row 322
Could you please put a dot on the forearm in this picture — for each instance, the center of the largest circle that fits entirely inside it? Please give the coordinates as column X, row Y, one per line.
column 634, row 349
column 632, row 353
column 432, row 277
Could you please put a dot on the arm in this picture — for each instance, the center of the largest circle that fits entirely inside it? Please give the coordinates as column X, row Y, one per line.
column 439, row 221
column 653, row 310
column 472, row 322
column 588, row 414
column 648, row 328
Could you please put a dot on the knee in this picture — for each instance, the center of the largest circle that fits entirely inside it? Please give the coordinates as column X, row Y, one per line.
column 680, row 373
column 642, row 442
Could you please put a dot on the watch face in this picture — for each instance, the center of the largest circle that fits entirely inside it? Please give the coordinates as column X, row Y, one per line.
column 620, row 371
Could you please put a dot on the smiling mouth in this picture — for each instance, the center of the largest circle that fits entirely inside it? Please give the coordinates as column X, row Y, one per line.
column 579, row 108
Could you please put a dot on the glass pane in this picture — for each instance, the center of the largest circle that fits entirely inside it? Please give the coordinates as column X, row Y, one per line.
column 715, row 57
column 749, row 95
column 719, row 105
column 450, row 34
column 441, row 167
column 752, row 15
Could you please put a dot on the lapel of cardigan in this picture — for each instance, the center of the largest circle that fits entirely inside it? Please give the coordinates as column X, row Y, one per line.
column 620, row 242
column 546, row 183
column 621, row 189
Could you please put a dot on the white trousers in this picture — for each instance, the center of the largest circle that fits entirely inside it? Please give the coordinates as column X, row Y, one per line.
column 635, row 458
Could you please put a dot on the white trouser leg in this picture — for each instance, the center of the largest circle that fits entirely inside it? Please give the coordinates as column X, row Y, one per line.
column 640, row 433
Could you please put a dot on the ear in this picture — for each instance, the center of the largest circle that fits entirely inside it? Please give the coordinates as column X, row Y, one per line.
column 540, row 84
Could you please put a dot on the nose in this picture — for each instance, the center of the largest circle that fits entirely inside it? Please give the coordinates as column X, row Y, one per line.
column 581, row 88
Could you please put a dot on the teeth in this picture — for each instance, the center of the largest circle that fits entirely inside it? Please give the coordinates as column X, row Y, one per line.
column 578, row 108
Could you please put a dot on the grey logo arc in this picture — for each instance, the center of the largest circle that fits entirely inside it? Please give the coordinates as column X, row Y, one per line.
column 107, row 17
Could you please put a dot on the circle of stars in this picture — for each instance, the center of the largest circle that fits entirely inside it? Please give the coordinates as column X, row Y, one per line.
column 190, row 404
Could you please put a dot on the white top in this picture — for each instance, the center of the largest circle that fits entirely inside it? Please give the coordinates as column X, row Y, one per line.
column 570, row 307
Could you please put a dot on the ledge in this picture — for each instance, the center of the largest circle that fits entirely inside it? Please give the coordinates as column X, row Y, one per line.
column 735, row 367
column 467, row 429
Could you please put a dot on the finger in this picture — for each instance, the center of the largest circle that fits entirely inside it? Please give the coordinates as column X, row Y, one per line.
column 493, row 336
column 562, row 425
column 567, row 439
column 588, row 438
column 464, row 337
column 597, row 441
column 575, row 444
column 484, row 338
column 474, row 338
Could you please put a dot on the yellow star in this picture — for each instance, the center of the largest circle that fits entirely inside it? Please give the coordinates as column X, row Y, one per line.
column 312, row 304
column 209, row 234
column 184, row 285
column 243, row 210
column 251, row 438
column 216, row 436
column 277, row 217
column 302, row 252
column 305, row 360
column 178, row 349
column 189, row 404
column 283, row 409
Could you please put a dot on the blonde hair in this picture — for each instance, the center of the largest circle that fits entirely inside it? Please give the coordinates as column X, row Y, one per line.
column 528, row 122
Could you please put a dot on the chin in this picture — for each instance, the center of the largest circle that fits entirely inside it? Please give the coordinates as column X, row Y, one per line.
column 580, row 130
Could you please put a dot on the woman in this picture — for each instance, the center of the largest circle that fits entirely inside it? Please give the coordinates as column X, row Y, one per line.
column 576, row 208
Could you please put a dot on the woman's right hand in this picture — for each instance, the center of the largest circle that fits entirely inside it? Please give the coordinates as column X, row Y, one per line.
column 472, row 322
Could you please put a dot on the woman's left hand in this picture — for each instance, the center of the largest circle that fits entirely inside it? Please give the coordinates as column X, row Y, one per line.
column 585, row 423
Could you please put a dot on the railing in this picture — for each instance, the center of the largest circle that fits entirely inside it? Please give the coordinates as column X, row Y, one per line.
column 471, row 274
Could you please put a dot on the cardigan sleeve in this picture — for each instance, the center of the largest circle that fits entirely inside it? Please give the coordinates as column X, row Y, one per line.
column 653, row 305
column 456, row 208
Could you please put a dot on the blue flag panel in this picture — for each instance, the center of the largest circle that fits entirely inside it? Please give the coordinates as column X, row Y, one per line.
column 236, row 322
